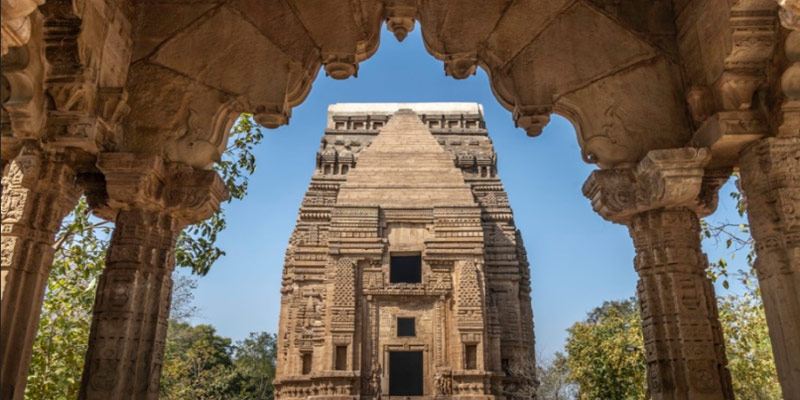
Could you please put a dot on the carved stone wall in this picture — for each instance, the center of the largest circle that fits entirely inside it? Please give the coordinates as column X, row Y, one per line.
column 403, row 182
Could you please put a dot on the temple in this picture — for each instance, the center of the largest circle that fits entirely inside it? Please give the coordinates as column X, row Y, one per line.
column 405, row 275
column 130, row 104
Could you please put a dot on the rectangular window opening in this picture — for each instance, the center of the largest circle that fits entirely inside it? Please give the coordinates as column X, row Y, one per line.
column 406, row 269
column 341, row 358
column 471, row 356
column 405, row 327
column 306, row 363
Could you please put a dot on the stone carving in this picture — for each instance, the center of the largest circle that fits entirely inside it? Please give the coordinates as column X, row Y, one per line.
column 16, row 22
column 790, row 108
column 443, row 382
column 38, row 191
column 375, row 381
column 770, row 179
column 790, row 14
column 154, row 201
column 400, row 18
column 24, row 100
column 660, row 201
column 369, row 221
column 663, row 178
column 630, row 77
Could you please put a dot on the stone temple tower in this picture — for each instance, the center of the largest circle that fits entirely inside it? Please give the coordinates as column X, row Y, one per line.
column 405, row 275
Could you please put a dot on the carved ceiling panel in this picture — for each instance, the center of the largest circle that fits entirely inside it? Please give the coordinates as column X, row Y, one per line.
column 591, row 60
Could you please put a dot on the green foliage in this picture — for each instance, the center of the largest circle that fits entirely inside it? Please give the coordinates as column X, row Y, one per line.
column 255, row 361
column 63, row 335
column 196, row 247
column 605, row 357
column 81, row 244
column 748, row 348
column 554, row 380
column 742, row 316
column 197, row 364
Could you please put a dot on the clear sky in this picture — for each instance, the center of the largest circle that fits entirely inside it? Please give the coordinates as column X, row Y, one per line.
column 577, row 259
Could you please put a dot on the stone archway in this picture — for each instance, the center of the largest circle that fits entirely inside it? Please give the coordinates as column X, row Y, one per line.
column 120, row 94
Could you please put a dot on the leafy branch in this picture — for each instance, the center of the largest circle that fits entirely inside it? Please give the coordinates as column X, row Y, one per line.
column 196, row 247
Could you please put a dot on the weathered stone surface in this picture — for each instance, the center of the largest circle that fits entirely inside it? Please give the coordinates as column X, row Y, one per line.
column 403, row 179
column 38, row 191
column 152, row 202
column 770, row 172
column 82, row 78
column 660, row 201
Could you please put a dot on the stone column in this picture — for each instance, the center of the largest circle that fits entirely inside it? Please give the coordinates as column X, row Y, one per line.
column 660, row 201
column 39, row 190
column 153, row 202
column 770, row 178
column 770, row 172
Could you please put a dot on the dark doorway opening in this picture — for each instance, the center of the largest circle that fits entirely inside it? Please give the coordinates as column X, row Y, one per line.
column 405, row 373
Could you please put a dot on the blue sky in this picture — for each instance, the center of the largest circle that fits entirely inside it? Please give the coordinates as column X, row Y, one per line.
column 577, row 259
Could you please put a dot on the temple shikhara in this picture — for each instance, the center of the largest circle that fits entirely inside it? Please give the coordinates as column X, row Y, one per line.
column 405, row 257
column 405, row 275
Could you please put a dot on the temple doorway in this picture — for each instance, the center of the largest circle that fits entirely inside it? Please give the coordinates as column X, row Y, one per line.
column 405, row 373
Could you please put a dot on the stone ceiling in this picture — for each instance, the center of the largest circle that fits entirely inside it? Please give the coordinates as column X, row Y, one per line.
column 632, row 76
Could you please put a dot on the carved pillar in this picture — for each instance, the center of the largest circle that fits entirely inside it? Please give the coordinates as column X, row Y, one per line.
column 38, row 191
column 153, row 202
column 770, row 177
column 771, row 180
column 660, row 201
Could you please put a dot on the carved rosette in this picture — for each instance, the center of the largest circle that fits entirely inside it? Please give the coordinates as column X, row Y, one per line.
column 152, row 202
column 771, row 182
column 660, row 201
column 39, row 190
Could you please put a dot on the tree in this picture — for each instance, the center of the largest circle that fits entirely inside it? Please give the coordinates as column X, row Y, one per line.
column 604, row 353
column 748, row 348
column 63, row 336
column 196, row 247
column 742, row 316
column 554, row 381
column 198, row 364
column 255, row 362
column 81, row 243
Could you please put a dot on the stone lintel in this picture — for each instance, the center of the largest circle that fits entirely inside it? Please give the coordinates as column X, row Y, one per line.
column 146, row 182
column 670, row 178
column 728, row 133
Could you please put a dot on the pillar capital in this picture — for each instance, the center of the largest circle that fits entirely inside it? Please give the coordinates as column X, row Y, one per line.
column 146, row 182
column 671, row 178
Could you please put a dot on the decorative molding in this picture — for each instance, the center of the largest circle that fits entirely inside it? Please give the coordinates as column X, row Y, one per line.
column 670, row 178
